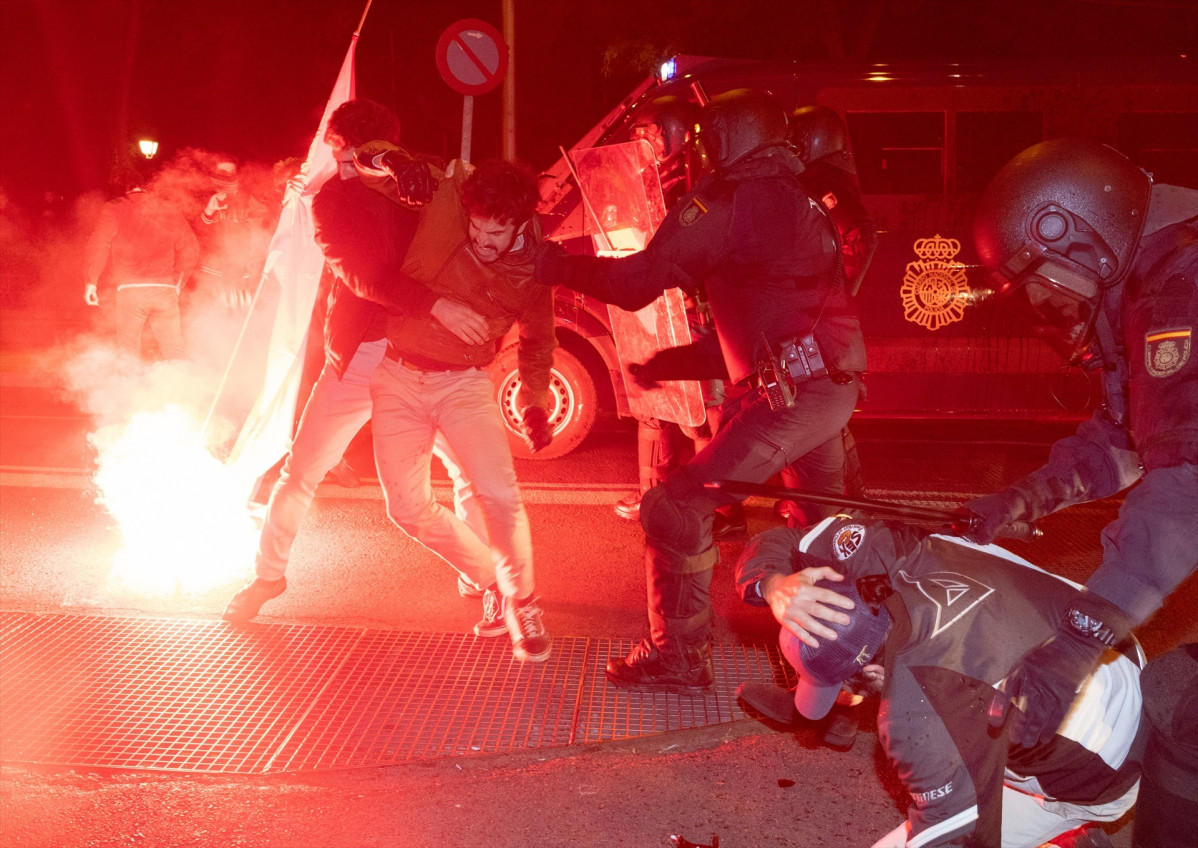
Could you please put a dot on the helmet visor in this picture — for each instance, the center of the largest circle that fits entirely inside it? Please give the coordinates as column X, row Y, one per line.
column 1061, row 304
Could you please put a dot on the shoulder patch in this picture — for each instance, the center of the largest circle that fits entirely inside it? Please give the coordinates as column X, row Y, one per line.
column 692, row 212
column 847, row 541
column 1167, row 351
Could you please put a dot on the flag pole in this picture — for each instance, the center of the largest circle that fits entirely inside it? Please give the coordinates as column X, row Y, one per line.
column 288, row 199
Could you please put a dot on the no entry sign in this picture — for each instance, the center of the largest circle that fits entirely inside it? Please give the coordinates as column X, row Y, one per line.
column 472, row 56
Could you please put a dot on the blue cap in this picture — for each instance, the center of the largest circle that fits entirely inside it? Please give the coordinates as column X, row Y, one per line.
column 822, row 670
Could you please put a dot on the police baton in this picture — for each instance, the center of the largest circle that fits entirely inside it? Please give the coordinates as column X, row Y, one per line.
column 959, row 521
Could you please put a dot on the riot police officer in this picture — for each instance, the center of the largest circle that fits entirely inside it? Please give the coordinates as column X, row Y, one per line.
column 1106, row 263
column 766, row 256
column 821, row 140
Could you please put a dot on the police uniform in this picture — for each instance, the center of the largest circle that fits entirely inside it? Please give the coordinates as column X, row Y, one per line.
column 962, row 614
column 766, row 258
column 1095, row 248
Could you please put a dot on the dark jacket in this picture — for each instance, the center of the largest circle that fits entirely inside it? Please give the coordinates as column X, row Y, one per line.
column 759, row 248
column 364, row 238
column 961, row 616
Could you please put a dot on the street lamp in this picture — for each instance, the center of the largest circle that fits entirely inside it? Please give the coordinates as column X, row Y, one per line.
column 148, row 147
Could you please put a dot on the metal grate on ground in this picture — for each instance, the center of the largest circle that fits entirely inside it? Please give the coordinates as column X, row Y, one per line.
column 201, row 696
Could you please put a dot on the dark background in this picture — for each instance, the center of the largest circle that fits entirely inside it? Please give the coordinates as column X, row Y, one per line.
column 82, row 79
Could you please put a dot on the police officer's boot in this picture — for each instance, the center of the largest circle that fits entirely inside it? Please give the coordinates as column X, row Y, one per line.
column 687, row 671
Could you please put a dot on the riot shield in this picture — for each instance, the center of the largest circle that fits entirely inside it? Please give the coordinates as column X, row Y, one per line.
column 621, row 191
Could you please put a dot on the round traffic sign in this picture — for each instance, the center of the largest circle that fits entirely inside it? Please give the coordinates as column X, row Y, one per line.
column 472, row 56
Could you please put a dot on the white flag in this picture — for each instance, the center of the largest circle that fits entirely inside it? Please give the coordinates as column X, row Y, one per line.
column 293, row 267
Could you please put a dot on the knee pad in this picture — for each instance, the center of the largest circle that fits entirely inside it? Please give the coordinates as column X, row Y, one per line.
column 676, row 515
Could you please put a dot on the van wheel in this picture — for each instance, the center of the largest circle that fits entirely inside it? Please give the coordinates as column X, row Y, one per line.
column 571, row 402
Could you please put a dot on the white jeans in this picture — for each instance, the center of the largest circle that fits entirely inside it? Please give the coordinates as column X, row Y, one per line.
column 336, row 410
column 410, row 409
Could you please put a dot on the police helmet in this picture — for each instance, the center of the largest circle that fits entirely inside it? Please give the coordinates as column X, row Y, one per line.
column 816, row 132
column 1057, row 226
column 738, row 123
column 667, row 123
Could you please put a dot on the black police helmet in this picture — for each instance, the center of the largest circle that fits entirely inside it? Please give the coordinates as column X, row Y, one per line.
column 738, row 123
column 1059, row 224
column 668, row 123
column 816, row 132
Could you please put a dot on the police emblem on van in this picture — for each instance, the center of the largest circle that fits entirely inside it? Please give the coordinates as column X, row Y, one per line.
column 1167, row 351
column 935, row 291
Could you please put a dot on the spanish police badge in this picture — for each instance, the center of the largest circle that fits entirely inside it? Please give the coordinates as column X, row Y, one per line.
column 1167, row 351
column 693, row 211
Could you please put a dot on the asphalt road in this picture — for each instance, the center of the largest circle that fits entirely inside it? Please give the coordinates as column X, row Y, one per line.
column 747, row 783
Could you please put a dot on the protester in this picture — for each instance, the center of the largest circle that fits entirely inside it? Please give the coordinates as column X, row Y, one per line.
column 148, row 250
column 766, row 257
column 469, row 280
column 362, row 235
column 936, row 621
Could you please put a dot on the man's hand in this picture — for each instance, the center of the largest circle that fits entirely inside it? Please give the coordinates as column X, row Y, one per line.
column 1042, row 687
column 414, row 179
column 1046, row 680
column 642, row 375
column 547, row 262
column 991, row 513
column 534, row 427
column 91, row 295
column 216, row 205
column 461, row 320
column 799, row 605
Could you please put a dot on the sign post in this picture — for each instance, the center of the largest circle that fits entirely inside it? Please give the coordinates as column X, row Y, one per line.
column 472, row 58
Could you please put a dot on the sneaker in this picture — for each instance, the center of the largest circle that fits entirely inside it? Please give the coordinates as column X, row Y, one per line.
column 493, row 622
column 530, row 640
column 841, row 730
column 629, row 507
column 466, row 589
column 646, row 669
column 248, row 601
column 771, row 701
column 343, row 474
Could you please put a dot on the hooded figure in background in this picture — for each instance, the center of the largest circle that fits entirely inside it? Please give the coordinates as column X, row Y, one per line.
column 147, row 249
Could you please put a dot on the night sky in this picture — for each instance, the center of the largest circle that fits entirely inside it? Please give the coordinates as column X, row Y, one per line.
column 249, row 78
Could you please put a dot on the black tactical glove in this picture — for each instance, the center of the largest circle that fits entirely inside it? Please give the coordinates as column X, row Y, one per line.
column 642, row 375
column 699, row 360
column 1046, row 680
column 414, row 179
column 534, row 427
column 990, row 513
column 547, row 262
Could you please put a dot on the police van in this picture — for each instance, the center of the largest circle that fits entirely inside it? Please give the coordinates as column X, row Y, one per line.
column 926, row 139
